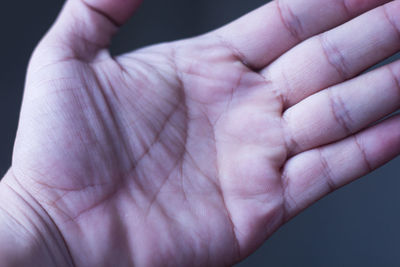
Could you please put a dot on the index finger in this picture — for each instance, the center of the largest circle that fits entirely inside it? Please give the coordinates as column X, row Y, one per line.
column 263, row 35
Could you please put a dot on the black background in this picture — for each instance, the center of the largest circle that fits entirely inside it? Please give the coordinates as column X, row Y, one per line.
column 355, row 226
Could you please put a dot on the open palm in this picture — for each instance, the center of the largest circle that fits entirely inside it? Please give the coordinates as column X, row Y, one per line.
column 194, row 152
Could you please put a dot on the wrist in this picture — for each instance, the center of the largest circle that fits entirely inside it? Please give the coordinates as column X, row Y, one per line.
column 28, row 237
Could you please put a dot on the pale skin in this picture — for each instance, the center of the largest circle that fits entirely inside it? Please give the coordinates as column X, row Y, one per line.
column 194, row 152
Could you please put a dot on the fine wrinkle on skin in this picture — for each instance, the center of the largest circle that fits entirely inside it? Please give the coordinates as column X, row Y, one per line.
column 179, row 107
column 334, row 56
column 60, row 188
column 176, row 106
column 114, row 118
column 291, row 22
column 101, row 13
column 221, row 191
column 216, row 181
column 56, row 232
column 86, row 42
column 368, row 165
column 151, row 68
column 232, row 92
column 291, row 145
column 288, row 201
column 235, row 52
column 340, row 112
column 178, row 164
column 327, row 171
column 153, row 200
column 75, row 217
column 346, row 8
column 158, row 135
column 389, row 19
column 289, row 90
column 396, row 80
column 43, row 67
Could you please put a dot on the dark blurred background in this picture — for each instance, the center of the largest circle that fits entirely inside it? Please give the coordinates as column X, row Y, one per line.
column 355, row 226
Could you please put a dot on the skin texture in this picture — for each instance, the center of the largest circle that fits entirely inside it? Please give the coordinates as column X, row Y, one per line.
column 192, row 153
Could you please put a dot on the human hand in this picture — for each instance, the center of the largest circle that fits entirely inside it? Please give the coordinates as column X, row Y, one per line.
column 194, row 152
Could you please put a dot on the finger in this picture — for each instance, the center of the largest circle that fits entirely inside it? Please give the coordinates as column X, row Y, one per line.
column 337, row 55
column 266, row 33
column 85, row 27
column 344, row 109
column 335, row 165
